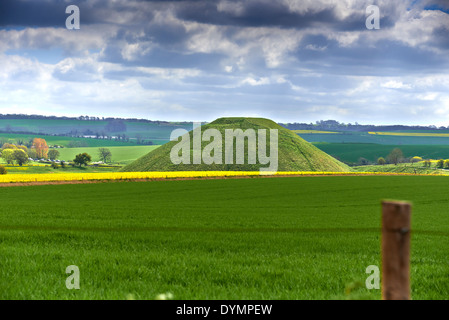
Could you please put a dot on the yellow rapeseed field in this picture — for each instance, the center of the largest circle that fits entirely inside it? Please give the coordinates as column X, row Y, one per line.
column 312, row 131
column 161, row 175
column 411, row 134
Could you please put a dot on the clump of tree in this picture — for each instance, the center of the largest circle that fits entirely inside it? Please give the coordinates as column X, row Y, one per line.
column 3, row 170
column 14, row 147
column 446, row 164
column 32, row 153
column 381, row 161
column 20, row 156
column 105, row 154
column 395, row 156
column 427, row 163
column 8, row 145
column 8, row 156
column 440, row 163
column 41, row 147
column 363, row 161
column 82, row 159
column 14, row 153
column 53, row 154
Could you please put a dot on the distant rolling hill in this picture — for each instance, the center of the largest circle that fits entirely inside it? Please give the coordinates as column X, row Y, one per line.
column 294, row 153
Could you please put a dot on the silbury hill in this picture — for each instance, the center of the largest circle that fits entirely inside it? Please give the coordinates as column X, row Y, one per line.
column 294, row 153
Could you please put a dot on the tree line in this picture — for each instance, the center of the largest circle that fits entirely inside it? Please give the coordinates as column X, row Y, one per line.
column 16, row 116
column 340, row 126
column 21, row 154
column 397, row 156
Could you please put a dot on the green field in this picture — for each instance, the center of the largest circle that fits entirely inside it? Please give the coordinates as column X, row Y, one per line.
column 366, row 138
column 351, row 152
column 159, row 133
column 272, row 238
column 122, row 155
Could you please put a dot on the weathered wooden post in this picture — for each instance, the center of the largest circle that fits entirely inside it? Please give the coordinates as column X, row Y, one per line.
column 396, row 250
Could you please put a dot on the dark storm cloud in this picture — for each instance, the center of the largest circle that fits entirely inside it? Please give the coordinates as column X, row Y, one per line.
column 276, row 14
column 356, row 21
column 46, row 13
column 168, row 35
column 440, row 38
column 252, row 14
column 387, row 58
column 30, row 13
column 442, row 5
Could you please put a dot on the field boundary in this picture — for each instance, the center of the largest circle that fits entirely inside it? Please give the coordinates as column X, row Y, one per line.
column 176, row 178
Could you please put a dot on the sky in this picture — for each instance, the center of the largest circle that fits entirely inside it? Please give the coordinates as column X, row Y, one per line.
column 287, row 60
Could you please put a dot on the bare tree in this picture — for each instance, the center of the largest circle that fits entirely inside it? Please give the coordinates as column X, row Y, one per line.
column 395, row 156
column 105, row 154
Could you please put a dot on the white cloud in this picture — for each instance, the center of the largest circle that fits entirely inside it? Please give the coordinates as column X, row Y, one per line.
column 274, row 43
column 315, row 47
column 393, row 84
column 254, row 82
column 228, row 69
column 71, row 41
column 133, row 51
column 431, row 96
column 169, row 73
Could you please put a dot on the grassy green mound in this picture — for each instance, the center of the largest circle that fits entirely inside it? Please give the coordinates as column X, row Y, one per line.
column 294, row 153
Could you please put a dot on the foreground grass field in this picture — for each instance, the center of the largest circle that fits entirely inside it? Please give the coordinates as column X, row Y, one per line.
column 266, row 238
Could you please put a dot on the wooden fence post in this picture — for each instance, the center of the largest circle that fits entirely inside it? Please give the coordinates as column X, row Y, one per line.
column 396, row 250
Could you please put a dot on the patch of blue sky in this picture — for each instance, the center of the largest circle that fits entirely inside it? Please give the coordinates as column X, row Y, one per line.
column 436, row 7
column 49, row 56
column 9, row 28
